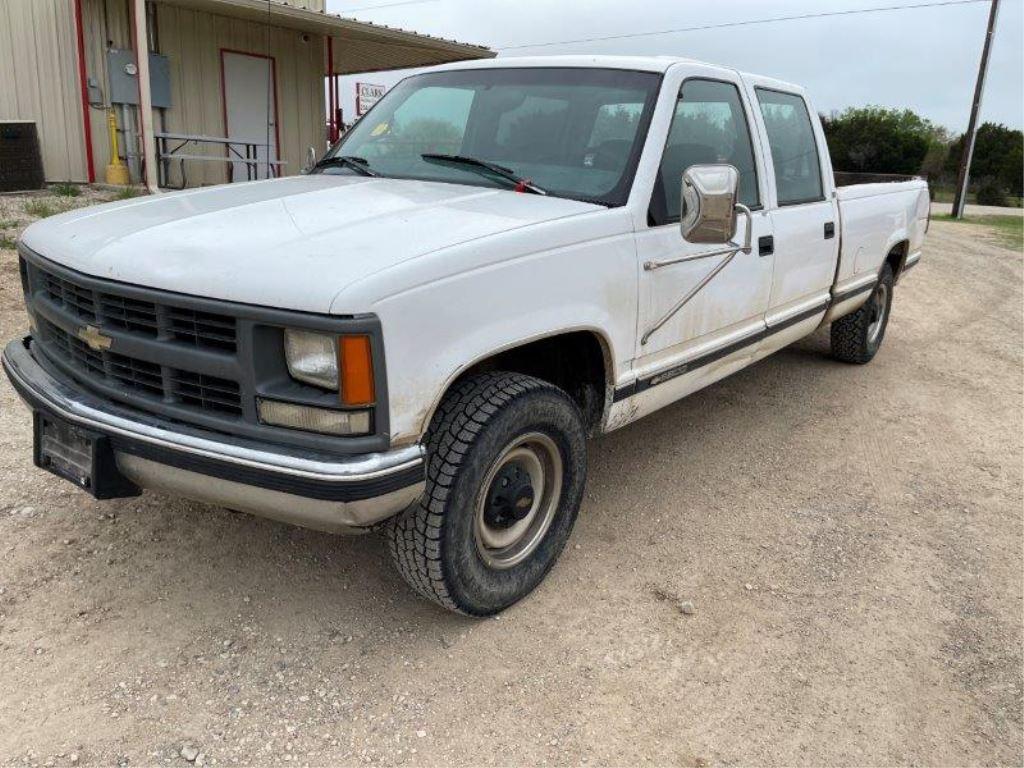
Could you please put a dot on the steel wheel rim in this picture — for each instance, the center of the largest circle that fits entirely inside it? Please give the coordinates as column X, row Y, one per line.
column 537, row 456
column 879, row 306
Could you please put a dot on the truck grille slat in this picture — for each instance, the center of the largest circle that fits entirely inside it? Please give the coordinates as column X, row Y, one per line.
column 132, row 315
column 206, row 391
column 79, row 300
column 202, row 329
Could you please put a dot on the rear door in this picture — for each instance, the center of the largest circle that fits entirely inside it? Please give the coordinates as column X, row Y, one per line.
column 802, row 209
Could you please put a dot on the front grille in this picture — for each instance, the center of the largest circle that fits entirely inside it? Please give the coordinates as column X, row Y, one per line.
column 141, row 377
column 189, row 326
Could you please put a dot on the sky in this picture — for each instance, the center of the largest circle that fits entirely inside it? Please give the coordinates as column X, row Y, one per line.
column 925, row 58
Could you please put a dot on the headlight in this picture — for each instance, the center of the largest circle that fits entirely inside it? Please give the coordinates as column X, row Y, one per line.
column 341, row 363
column 312, row 358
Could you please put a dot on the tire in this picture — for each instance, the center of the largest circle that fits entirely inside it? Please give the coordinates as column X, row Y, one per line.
column 857, row 337
column 493, row 432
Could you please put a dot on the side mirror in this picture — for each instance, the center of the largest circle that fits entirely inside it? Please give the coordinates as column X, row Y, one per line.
column 708, row 212
column 310, row 160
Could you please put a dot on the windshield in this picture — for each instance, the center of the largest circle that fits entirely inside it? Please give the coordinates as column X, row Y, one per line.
column 572, row 132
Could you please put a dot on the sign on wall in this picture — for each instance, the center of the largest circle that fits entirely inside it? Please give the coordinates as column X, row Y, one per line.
column 367, row 94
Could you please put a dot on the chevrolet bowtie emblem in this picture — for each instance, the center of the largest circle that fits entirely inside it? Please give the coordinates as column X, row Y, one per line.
column 92, row 336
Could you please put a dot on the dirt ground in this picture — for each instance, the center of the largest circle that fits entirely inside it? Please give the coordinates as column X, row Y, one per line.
column 850, row 538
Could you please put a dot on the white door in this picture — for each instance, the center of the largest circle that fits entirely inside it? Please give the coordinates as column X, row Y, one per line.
column 250, row 108
column 712, row 334
column 803, row 217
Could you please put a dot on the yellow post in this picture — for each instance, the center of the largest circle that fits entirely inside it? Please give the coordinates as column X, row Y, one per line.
column 117, row 172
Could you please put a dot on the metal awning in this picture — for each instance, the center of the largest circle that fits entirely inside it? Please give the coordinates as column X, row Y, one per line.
column 359, row 46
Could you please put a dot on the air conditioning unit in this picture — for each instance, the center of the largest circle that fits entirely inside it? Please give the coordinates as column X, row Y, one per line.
column 21, row 162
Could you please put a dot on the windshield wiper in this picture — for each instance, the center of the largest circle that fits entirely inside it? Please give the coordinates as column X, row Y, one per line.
column 358, row 164
column 524, row 185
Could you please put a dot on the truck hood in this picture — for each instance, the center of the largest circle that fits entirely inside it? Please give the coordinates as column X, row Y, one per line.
column 291, row 243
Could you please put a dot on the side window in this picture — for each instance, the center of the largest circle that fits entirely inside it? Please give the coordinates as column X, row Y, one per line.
column 709, row 126
column 794, row 148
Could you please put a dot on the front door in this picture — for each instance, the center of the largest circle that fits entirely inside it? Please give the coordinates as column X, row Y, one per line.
column 250, row 113
column 704, row 339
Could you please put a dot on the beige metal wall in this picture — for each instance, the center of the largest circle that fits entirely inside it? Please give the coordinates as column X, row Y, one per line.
column 103, row 22
column 39, row 80
column 193, row 41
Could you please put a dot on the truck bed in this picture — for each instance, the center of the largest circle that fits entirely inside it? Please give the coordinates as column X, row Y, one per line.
column 875, row 218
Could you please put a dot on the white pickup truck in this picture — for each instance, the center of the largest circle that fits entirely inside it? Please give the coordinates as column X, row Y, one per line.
column 418, row 336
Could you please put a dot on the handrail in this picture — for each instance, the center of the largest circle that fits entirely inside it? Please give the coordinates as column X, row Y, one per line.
column 728, row 252
column 247, row 156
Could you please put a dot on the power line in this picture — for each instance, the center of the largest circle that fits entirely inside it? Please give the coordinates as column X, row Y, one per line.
column 385, row 5
column 727, row 25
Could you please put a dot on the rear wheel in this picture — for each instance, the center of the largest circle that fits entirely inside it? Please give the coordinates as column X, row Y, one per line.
column 505, row 474
column 857, row 337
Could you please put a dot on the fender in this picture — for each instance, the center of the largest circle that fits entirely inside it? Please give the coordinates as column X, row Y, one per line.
column 603, row 341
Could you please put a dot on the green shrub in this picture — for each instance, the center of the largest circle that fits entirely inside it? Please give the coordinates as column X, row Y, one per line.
column 991, row 192
column 881, row 140
column 66, row 190
column 6, row 243
column 40, row 208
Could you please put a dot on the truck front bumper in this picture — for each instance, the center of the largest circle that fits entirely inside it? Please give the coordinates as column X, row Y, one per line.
column 340, row 494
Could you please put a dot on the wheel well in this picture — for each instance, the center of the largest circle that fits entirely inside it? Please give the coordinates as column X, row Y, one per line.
column 895, row 259
column 576, row 362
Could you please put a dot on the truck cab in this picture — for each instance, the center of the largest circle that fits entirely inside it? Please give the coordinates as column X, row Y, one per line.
column 500, row 260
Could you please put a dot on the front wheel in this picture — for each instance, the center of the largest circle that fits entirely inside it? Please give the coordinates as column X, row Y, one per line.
column 857, row 336
column 506, row 464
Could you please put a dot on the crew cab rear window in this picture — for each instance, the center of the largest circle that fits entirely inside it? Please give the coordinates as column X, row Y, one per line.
column 794, row 148
column 709, row 126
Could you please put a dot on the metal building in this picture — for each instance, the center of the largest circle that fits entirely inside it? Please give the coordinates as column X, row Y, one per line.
column 236, row 86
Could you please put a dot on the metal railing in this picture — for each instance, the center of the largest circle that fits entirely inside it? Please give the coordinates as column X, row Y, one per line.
column 170, row 148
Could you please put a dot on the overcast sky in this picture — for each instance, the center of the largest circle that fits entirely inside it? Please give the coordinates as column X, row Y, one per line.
column 922, row 58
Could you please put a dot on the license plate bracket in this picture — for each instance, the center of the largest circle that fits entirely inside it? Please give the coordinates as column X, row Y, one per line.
column 79, row 456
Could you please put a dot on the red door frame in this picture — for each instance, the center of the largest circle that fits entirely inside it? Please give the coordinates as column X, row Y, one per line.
column 86, row 122
column 332, row 97
column 224, row 101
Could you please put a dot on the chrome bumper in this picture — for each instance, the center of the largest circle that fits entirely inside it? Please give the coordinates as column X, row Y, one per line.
column 331, row 493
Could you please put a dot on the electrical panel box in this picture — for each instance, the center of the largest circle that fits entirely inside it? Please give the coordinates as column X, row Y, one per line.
column 124, row 78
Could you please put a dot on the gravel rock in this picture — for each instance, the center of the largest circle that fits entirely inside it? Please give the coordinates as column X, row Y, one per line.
column 189, row 752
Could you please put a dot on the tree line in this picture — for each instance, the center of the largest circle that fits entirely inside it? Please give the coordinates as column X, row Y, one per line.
column 881, row 140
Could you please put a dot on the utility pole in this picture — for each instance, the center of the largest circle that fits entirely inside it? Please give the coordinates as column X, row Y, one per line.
column 963, row 175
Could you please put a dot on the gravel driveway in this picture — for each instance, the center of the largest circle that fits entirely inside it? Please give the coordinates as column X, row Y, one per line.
column 850, row 539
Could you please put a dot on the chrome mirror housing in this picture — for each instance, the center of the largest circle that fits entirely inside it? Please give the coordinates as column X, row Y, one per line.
column 708, row 212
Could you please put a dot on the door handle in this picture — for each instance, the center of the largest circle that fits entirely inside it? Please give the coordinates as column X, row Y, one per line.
column 765, row 245
column 830, row 230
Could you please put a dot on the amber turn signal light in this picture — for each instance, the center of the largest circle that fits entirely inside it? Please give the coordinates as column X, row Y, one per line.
column 356, row 370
